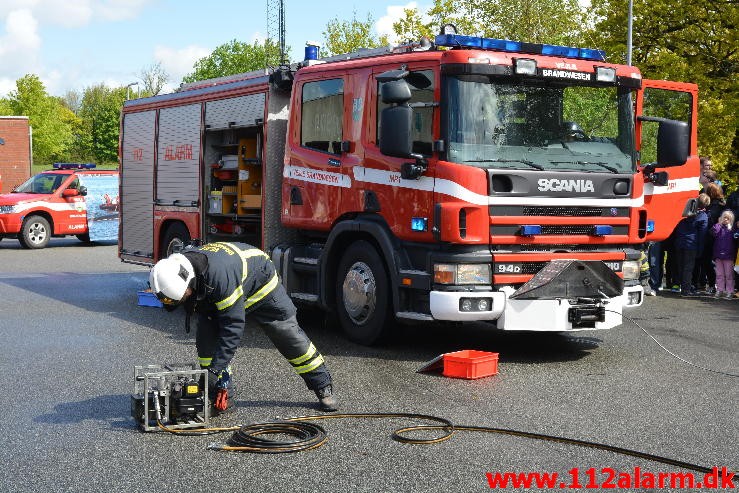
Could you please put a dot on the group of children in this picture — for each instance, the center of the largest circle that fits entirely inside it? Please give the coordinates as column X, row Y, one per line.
column 701, row 253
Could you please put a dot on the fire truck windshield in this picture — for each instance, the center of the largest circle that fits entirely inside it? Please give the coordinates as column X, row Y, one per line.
column 548, row 125
column 42, row 183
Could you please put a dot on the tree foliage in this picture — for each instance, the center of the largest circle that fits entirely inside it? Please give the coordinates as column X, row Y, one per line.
column 534, row 21
column 235, row 57
column 100, row 113
column 50, row 119
column 348, row 36
column 154, row 78
column 685, row 40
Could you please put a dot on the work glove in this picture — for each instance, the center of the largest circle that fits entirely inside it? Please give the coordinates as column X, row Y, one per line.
column 218, row 384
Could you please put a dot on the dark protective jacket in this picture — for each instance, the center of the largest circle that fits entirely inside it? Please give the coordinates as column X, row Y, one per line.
column 690, row 233
column 237, row 277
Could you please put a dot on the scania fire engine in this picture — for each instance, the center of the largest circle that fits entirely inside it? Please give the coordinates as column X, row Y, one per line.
column 469, row 179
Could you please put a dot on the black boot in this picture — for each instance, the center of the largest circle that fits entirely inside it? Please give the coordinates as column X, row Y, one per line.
column 326, row 400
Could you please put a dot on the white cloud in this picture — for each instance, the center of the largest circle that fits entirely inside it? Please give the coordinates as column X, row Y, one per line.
column 179, row 62
column 19, row 46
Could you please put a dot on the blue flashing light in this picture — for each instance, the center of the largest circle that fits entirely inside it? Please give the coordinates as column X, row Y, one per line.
column 530, row 230
column 650, row 226
column 74, row 166
column 591, row 54
column 461, row 41
column 458, row 40
column 419, row 223
column 565, row 51
column 500, row 44
column 602, row 230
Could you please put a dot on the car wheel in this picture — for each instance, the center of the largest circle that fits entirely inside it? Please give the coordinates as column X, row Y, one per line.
column 362, row 294
column 175, row 238
column 84, row 238
column 35, row 232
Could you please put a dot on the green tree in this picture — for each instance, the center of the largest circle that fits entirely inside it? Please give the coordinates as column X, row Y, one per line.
column 235, row 57
column 347, row 36
column 685, row 40
column 534, row 21
column 49, row 118
column 99, row 112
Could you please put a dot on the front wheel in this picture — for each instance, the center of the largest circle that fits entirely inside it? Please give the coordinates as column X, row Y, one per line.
column 175, row 238
column 362, row 294
column 35, row 232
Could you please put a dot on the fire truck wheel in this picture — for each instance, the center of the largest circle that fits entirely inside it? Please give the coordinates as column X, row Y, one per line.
column 35, row 232
column 362, row 294
column 84, row 238
column 175, row 238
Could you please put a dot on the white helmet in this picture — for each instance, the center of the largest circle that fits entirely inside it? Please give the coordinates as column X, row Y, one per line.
column 170, row 278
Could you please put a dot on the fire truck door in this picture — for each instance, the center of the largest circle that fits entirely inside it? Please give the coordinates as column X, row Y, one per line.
column 406, row 204
column 314, row 179
column 71, row 215
column 674, row 101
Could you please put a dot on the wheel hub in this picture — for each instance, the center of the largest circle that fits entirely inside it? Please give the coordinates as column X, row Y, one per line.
column 37, row 233
column 359, row 293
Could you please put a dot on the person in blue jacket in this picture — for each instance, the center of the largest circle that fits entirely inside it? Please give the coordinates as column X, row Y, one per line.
column 690, row 235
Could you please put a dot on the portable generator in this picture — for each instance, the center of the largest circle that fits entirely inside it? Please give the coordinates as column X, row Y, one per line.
column 173, row 395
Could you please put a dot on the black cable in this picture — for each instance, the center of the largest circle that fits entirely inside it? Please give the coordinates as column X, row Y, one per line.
column 670, row 352
column 309, row 436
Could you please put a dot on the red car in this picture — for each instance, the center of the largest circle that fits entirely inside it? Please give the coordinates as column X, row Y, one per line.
column 51, row 203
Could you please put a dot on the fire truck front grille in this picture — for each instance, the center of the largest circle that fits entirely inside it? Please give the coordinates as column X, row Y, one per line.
column 558, row 211
column 554, row 229
column 560, row 248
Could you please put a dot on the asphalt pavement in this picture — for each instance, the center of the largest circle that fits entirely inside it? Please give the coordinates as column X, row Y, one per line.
column 71, row 332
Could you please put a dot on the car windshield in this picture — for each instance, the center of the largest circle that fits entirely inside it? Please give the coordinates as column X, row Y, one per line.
column 544, row 125
column 41, row 183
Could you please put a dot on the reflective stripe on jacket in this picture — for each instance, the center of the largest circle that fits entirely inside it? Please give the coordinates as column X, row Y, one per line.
column 237, row 278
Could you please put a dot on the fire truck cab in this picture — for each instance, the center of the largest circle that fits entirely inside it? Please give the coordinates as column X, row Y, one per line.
column 51, row 203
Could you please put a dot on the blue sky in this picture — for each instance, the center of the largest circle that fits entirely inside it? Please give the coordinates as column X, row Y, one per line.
column 73, row 44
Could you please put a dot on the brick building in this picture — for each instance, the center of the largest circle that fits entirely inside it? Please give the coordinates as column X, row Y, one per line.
column 15, row 151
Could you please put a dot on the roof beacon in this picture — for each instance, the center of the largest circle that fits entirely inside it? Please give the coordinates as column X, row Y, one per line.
column 73, row 165
column 475, row 42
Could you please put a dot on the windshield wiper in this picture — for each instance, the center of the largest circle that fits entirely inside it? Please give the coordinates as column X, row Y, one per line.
column 523, row 161
column 604, row 165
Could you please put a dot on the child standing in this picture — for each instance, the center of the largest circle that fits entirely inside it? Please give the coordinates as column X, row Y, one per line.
column 723, row 254
column 689, row 238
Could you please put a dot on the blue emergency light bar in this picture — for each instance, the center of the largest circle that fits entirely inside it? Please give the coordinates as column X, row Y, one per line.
column 74, row 166
column 461, row 41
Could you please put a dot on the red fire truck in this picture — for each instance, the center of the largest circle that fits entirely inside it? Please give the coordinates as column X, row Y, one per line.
column 469, row 179
column 53, row 203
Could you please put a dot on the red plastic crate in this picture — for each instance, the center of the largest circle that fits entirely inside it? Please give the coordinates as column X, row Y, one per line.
column 470, row 364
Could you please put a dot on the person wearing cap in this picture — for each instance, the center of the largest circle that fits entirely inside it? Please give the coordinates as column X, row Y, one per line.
column 222, row 283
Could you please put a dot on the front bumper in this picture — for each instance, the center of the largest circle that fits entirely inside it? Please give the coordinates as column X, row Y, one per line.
column 10, row 224
column 542, row 315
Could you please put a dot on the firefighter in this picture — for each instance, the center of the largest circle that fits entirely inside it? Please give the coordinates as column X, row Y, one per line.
column 222, row 283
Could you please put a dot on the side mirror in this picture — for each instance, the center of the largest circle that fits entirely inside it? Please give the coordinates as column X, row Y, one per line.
column 673, row 141
column 70, row 192
column 395, row 92
column 83, row 190
column 395, row 131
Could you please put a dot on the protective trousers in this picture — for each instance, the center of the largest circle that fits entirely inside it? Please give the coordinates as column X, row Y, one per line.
column 276, row 315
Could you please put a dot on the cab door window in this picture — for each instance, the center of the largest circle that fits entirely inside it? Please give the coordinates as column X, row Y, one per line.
column 662, row 103
column 322, row 115
column 423, row 87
